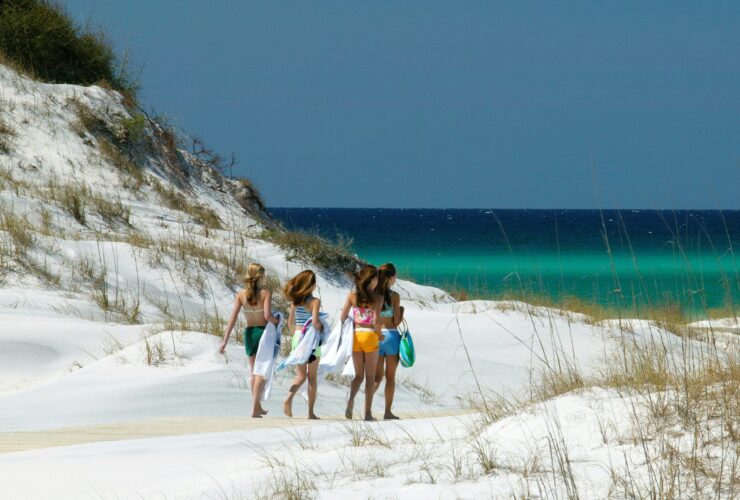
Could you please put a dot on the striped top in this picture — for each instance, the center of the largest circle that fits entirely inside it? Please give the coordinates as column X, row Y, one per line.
column 301, row 315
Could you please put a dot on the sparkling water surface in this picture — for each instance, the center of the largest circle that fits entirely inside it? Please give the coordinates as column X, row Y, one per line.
column 627, row 256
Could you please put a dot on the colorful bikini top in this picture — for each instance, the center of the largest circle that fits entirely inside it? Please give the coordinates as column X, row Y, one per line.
column 363, row 316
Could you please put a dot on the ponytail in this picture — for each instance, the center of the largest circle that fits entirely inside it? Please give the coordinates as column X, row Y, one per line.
column 252, row 278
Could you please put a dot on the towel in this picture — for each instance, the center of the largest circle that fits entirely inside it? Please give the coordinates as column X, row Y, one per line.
column 310, row 339
column 267, row 353
column 337, row 350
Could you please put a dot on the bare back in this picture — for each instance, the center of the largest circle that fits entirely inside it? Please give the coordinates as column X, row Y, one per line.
column 254, row 315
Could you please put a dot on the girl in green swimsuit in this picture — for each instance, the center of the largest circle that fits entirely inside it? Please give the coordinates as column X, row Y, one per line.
column 257, row 305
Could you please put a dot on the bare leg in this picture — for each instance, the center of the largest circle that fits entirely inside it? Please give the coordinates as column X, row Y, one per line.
column 391, row 364
column 371, row 362
column 259, row 384
column 251, row 372
column 379, row 372
column 358, row 360
column 313, row 369
column 256, row 384
column 300, row 377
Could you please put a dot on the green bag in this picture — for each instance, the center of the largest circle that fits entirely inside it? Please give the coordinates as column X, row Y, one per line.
column 406, row 352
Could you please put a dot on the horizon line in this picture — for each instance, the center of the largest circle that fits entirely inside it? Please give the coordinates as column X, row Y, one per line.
column 511, row 209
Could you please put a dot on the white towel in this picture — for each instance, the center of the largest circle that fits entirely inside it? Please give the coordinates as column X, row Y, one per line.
column 337, row 350
column 306, row 344
column 267, row 353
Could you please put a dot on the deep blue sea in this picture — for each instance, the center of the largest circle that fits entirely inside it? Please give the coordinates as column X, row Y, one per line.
column 614, row 257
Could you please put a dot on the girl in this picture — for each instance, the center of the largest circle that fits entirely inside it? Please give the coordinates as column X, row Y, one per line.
column 391, row 316
column 257, row 306
column 299, row 291
column 365, row 305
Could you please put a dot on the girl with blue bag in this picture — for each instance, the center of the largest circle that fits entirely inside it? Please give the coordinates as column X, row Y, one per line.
column 391, row 316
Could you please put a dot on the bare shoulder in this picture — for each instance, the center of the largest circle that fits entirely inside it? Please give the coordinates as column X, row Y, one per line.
column 395, row 297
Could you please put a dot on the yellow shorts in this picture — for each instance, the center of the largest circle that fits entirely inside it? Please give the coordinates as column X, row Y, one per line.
column 365, row 341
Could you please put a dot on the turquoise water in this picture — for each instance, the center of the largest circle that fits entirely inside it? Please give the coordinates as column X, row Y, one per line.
column 644, row 257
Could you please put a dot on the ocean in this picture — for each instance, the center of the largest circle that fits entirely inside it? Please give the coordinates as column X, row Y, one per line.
column 616, row 258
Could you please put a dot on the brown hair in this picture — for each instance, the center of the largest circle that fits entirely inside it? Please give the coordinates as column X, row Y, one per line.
column 299, row 288
column 363, row 277
column 252, row 278
column 385, row 273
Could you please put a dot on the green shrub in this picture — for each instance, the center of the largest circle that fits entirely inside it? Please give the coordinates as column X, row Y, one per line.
column 313, row 248
column 41, row 37
column 132, row 129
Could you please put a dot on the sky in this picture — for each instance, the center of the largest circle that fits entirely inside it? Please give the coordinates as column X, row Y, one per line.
column 431, row 104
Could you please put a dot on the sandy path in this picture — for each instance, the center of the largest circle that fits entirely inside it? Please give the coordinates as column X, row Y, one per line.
column 175, row 426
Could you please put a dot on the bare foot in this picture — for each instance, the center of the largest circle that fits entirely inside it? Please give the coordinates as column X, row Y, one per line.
column 348, row 412
column 262, row 411
column 313, row 417
column 370, row 418
column 288, row 408
column 390, row 416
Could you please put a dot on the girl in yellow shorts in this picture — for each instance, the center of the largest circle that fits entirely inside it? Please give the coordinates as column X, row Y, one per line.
column 365, row 305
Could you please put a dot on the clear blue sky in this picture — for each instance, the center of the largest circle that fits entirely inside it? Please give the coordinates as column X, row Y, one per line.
column 450, row 104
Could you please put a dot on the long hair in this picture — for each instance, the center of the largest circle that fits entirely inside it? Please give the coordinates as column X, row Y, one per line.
column 299, row 288
column 363, row 277
column 255, row 273
column 385, row 273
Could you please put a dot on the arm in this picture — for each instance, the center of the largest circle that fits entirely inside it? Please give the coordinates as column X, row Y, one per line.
column 397, row 309
column 291, row 319
column 346, row 308
column 315, row 306
column 231, row 323
column 268, row 309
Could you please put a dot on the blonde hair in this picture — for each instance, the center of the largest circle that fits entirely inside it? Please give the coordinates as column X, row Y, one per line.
column 299, row 288
column 255, row 273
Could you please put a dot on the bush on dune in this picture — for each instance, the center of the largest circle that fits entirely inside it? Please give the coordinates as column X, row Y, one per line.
column 306, row 247
column 41, row 38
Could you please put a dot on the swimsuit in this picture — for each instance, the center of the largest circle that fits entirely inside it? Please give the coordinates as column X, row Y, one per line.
column 387, row 311
column 252, row 336
column 391, row 343
column 366, row 340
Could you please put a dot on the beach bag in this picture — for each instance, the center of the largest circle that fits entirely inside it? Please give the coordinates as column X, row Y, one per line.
column 406, row 351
